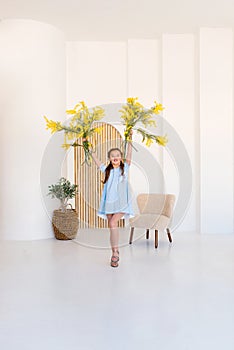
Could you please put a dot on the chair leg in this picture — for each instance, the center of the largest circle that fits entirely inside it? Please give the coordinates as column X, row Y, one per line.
column 131, row 235
column 147, row 234
column 156, row 238
column 169, row 235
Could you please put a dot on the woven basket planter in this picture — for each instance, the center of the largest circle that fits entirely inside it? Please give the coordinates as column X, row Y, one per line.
column 65, row 224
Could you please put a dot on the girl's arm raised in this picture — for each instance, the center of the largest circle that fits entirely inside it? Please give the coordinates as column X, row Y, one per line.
column 96, row 160
column 129, row 151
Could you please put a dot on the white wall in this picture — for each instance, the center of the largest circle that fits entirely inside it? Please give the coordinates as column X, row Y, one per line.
column 32, row 84
column 216, row 129
column 96, row 72
column 196, row 91
column 178, row 91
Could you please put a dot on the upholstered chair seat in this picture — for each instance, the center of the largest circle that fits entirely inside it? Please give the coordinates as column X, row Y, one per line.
column 156, row 212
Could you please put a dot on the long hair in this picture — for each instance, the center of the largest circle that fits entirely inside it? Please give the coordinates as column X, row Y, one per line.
column 110, row 166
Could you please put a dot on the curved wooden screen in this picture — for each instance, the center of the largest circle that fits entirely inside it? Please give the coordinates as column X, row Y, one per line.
column 89, row 178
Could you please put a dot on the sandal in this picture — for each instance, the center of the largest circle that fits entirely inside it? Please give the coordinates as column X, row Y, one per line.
column 114, row 259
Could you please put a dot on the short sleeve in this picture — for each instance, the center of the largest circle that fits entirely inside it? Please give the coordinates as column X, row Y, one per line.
column 102, row 168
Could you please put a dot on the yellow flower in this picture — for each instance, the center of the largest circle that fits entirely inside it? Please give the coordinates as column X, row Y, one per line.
column 80, row 126
column 138, row 104
column 86, row 118
column 80, row 106
column 98, row 113
column 158, row 108
column 66, row 146
column 53, row 126
column 71, row 111
column 74, row 134
column 71, row 135
column 149, row 142
column 132, row 100
column 162, row 140
column 82, row 103
column 98, row 129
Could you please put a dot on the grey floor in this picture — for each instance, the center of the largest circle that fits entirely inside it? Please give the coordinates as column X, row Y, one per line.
column 64, row 295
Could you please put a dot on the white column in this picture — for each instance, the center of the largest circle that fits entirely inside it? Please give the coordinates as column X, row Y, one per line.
column 216, row 130
column 144, row 82
column 32, row 84
column 178, row 60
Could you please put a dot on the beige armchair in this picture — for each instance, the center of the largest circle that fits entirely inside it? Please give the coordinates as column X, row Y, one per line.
column 156, row 212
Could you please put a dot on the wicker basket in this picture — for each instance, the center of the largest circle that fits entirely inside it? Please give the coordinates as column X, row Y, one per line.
column 65, row 224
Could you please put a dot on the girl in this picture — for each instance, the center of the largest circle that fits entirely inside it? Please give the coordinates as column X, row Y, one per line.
column 115, row 201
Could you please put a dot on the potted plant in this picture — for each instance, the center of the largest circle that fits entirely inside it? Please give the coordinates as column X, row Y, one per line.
column 64, row 220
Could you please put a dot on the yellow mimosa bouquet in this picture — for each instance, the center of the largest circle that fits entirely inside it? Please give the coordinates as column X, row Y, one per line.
column 133, row 113
column 81, row 125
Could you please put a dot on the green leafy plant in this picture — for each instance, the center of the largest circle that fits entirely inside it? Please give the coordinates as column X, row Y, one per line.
column 63, row 190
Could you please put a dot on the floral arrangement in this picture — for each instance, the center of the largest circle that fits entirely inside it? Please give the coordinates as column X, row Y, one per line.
column 133, row 113
column 81, row 125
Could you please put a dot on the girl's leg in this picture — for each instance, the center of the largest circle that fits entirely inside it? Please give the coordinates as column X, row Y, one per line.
column 114, row 235
column 109, row 216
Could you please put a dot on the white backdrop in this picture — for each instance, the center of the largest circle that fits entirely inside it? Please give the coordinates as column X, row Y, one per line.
column 192, row 75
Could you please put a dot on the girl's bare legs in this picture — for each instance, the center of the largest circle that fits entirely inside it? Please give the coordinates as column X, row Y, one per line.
column 114, row 234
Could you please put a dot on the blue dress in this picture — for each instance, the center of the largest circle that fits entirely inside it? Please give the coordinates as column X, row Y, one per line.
column 116, row 197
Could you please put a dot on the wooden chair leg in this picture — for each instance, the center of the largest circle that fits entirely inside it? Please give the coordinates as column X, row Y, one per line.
column 169, row 235
column 147, row 234
column 131, row 235
column 156, row 238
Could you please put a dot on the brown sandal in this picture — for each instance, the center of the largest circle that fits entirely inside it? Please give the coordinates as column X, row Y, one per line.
column 114, row 259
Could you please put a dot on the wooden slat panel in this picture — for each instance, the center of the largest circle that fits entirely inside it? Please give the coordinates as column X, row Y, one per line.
column 88, row 178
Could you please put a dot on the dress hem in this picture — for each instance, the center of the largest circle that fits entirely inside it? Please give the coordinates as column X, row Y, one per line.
column 125, row 215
